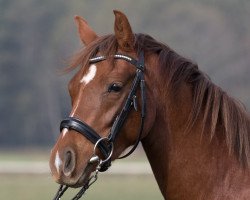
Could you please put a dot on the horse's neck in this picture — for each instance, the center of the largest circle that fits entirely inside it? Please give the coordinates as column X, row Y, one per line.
column 187, row 166
column 156, row 148
column 160, row 143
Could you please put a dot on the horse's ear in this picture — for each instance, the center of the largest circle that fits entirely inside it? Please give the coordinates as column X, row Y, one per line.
column 87, row 35
column 123, row 32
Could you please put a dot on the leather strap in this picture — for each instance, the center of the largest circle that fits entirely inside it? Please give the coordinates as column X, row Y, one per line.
column 79, row 126
column 125, row 110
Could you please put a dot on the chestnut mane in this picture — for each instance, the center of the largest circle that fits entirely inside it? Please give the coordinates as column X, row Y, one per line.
column 210, row 102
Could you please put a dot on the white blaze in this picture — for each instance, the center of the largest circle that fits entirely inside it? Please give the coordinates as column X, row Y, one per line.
column 64, row 131
column 85, row 80
column 58, row 162
column 90, row 75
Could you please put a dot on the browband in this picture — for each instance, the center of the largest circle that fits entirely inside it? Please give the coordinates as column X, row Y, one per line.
column 118, row 56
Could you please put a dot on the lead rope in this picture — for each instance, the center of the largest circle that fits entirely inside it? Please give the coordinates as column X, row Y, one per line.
column 60, row 192
column 84, row 188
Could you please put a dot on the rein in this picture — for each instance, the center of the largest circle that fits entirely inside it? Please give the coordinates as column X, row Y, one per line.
column 106, row 144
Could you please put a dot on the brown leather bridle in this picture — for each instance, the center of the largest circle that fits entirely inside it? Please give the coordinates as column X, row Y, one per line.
column 105, row 144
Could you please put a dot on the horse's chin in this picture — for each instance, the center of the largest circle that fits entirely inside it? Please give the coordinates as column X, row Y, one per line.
column 84, row 177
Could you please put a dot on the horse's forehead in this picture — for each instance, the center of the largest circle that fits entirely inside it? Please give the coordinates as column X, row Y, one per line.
column 104, row 68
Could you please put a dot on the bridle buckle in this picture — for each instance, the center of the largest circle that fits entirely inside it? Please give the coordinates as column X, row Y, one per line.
column 95, row 158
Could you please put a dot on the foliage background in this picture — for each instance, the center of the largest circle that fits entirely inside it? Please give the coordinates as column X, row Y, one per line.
column 37, row 37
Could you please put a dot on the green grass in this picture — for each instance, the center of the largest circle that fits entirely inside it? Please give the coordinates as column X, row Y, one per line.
column 42, row 187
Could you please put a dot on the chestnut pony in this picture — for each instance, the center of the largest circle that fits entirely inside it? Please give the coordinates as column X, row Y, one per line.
column 131, row 88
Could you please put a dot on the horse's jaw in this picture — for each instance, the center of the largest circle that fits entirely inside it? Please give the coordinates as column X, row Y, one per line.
column 84, row 177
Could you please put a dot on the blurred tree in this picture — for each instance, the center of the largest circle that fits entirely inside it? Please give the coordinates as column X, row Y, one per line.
column 36, row 36
column 26, row 67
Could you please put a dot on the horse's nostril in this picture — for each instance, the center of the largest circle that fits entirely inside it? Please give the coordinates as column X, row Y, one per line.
column 69, row 162
column 68, row 159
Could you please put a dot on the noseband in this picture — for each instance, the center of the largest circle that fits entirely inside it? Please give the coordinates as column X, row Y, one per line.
column 105, row 144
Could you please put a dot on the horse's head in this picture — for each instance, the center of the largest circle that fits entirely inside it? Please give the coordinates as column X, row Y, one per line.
column 108, row 105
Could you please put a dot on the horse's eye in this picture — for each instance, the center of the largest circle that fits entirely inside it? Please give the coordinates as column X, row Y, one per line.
column 114, row 87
